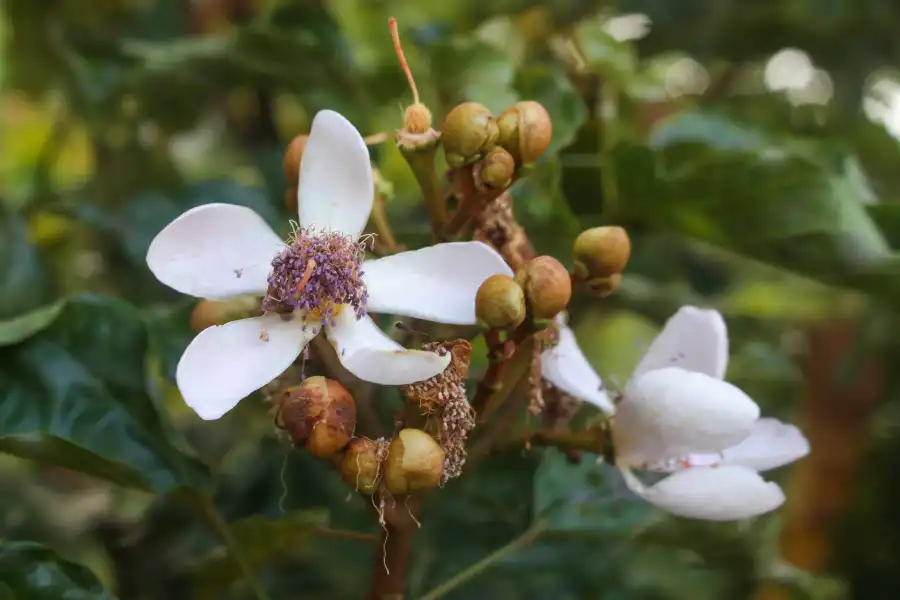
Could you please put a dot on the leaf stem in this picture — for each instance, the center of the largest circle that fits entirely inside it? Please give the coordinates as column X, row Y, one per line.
column 469, row 573
column 220, row 527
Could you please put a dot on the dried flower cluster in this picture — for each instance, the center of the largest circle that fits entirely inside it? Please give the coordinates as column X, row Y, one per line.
column 444, row 395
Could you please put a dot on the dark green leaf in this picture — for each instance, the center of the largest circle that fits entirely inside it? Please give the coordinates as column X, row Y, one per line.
column 75, row 396
column 23, row 285
column 13, row 331
column 30, row 571
column 263, row 541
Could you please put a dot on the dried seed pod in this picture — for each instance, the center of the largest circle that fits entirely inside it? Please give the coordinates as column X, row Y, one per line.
column 469, row 131
column 525, row 131
column 319, row 415
column 500, row 303
column 547, row 286
column 497, row 169
column 415, row 463
column 600, row 252
column 361, row 466
column 292, row 156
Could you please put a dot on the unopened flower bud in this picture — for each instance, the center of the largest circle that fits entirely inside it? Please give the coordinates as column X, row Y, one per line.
column 361, row 466
column 469, row 131
column 415, row 462
column 417, row 118
column 218, row 312
column 291, row 200
column 500, row 303
column 547, row 286
column 319, row 414
column 604, row 286
column 292, row 157
column 497, row 169
column 600, row 252
column 525, row 131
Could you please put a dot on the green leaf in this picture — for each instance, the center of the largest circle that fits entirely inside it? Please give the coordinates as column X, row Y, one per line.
column 586, row 497
column 774, row 202
column 263, row 542
column 23, row 284
column 30, row 571
column 75, row 396
column 605, row 54
column 556, row 93
column 13, row 331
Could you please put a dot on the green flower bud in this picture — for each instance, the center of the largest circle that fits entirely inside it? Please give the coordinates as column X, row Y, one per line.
column 415, row 463
column 469, row 131
column 500, row 303
column 319, row 415
column 361, row 466
column 497, row 169
column 600, row 252
column 525, row 131
column 547, row 286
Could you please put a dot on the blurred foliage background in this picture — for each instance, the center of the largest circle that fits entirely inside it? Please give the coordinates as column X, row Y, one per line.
column 749, row 147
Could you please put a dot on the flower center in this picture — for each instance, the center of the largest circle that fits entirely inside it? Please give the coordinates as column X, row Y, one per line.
column 318, row 273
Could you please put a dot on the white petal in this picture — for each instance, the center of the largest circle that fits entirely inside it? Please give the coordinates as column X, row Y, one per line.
column 368, row 353
column 226, row 363
column 694, row 339
column 712, row 493
column 566, row 367
column 215, row 251
column 672, row 412
column 437, row 283
column 336, row 190
column 770, row 445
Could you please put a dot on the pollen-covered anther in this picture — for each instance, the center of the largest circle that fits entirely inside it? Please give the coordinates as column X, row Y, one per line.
column 444, row 395
column 318, row 273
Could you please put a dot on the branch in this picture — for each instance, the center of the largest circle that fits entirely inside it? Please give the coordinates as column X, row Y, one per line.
column 389, row 571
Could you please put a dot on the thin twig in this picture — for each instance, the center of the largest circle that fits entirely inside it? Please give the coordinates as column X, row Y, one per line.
column 220, row 527
column 345, row 534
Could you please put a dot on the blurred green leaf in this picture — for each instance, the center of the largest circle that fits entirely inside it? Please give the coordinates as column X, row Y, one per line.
column 13, row 331
column 23, row 282
column 30, row 571
column 604, row 54
column 586, row 497
column 74, row 396
column 263, row 541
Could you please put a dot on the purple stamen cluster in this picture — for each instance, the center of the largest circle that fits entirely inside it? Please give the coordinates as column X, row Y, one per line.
column 332, row 279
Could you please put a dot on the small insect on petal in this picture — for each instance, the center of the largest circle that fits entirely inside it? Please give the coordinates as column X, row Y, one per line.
column 264, row 334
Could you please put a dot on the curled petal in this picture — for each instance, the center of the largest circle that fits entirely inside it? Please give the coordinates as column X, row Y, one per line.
column 215, row 251
column 725, row 493
column 437, row 283
column 336, row 189
column 566, row 367
column 693, row 339
column 368, row 353
column 226, row 363
column 672, row 412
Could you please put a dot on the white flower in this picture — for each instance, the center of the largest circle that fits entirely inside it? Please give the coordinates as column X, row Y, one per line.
column 316, row 281
column 565, row 366
column 678, row 416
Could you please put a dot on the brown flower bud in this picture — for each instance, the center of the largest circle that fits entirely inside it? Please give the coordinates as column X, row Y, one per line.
column 207, row 313
column 547, row 286
column 525, row 131
column 319, row 414
column 417, row 118
column 415, row 462
column 291, row 200
column 469, row 131
column 361, row 466
column 600, row 252
column 497, row 169
column 604, row 286
column 292, row 157
column 500, row 303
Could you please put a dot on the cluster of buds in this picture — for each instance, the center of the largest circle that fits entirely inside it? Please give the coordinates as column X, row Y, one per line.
column 599, row 256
